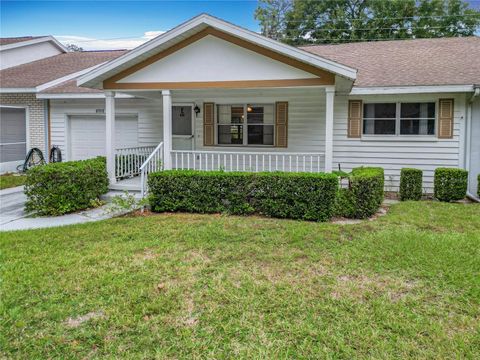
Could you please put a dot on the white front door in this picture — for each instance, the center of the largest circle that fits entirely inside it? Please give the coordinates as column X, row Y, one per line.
column 182, row 127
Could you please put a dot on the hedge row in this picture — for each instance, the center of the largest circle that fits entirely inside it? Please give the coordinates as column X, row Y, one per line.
column 60, row 188
column 450, row 184
column 304, row 196
column 364, row 194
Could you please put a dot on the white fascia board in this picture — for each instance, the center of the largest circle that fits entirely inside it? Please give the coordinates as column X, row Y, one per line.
column 35, row 41
column 81, row 96
column 411, row 89
column 66, row 78
column 208, row 20
column 17, row 90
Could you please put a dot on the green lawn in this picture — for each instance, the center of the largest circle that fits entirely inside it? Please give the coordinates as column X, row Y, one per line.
column 213, row 286
column 11, row 180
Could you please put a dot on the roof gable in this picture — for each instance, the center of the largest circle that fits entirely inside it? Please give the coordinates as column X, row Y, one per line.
column 12, row 43
column 196, row 26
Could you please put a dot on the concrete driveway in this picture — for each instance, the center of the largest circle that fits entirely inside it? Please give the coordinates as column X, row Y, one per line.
column 12, row 203
column 14, row 217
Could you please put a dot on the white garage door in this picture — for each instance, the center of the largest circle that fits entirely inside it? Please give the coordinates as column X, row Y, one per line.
column 87, row 135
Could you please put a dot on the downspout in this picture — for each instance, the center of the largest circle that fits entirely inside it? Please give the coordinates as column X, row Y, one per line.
column 468, row 140
column 46, row 126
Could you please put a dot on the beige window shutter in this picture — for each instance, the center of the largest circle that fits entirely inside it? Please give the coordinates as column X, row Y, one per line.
column 208, row 124
column 445, row 119
column 354, row 119
column 281, row 124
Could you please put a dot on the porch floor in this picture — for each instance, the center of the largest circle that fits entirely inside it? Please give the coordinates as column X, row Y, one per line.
column 131, row 184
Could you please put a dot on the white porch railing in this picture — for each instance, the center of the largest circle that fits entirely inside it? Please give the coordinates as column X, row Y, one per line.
column 154, row 162
column 129, row 160
column 248, row 161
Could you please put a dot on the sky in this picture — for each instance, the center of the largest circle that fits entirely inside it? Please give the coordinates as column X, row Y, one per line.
column 125, row 24
column 116, row 24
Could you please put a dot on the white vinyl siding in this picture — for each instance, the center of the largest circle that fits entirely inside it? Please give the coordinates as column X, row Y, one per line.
column 306, row 110
column 148, row 113
column 393, row 153
column 306, row 128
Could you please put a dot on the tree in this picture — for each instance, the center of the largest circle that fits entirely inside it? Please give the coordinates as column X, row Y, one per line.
column 271, row 14
column 336, row 21
column 73, row 47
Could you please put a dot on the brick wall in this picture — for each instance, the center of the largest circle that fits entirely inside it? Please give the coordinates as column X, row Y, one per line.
column 36, row 130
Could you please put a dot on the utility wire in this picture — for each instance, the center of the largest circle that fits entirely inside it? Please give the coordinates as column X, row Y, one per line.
column 300, row 21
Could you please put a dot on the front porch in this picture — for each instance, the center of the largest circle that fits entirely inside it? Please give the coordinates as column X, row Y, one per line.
column 302, row 144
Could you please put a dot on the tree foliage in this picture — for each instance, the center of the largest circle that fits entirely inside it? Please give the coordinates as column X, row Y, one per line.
column 335, row 21
column 73, row 47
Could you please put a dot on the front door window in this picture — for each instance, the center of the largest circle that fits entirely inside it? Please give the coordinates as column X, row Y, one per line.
column 182, row 127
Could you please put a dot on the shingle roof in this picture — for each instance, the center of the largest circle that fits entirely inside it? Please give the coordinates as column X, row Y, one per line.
column 13, row 40
column 445, row 61
column 69, row 87
column 45, row 70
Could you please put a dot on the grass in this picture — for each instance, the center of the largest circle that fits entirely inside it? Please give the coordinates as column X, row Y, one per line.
column 213, row 286
column 11, row 180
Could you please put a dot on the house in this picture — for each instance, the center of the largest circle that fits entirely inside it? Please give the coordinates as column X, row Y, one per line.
column 211, row 95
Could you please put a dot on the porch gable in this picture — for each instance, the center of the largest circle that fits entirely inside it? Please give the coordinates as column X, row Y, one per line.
column 214, row 59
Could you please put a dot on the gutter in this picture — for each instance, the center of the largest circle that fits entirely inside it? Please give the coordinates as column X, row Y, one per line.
column 468, row 142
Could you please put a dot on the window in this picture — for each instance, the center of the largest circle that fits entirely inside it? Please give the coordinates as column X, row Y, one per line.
column 379, row 119
column 399, row 119
column 417, row 119
column 258, row 129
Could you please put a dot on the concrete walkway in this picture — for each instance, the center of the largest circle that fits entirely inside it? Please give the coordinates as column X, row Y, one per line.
column 14, row 217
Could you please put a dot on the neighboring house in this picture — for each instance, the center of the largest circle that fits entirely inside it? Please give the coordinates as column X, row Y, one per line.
column 21, row 50
column 235, row 100
column 24, row 118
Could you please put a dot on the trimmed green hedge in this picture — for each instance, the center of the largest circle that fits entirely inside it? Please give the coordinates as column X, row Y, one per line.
column 450, row 184
column 410, row 184
column 60, row 188
column 364, row 195
column 285, row 195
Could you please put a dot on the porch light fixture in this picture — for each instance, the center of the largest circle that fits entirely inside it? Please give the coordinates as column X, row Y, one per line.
column 249, row 108
column 196, row 109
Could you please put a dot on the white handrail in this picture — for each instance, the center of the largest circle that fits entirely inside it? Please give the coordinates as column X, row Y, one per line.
column 248, row 161
column 128, row 160
column 154, row 162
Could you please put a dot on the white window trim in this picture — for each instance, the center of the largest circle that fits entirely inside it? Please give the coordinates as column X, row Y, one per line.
column 245, row 125
column 397, row 136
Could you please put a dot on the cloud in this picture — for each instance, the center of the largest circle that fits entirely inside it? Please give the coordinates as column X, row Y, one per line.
column 108, row 44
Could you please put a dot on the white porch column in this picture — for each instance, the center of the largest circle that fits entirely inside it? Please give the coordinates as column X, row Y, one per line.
column 329, row 96
column 110, row 134
column 167, row 129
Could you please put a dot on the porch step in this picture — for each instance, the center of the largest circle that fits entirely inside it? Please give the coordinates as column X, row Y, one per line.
column 125, row 187
column 113, row 193
column 131, row 185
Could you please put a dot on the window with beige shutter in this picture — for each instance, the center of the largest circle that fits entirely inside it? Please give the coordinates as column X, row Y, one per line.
column 250, row 124
column 393, row 119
